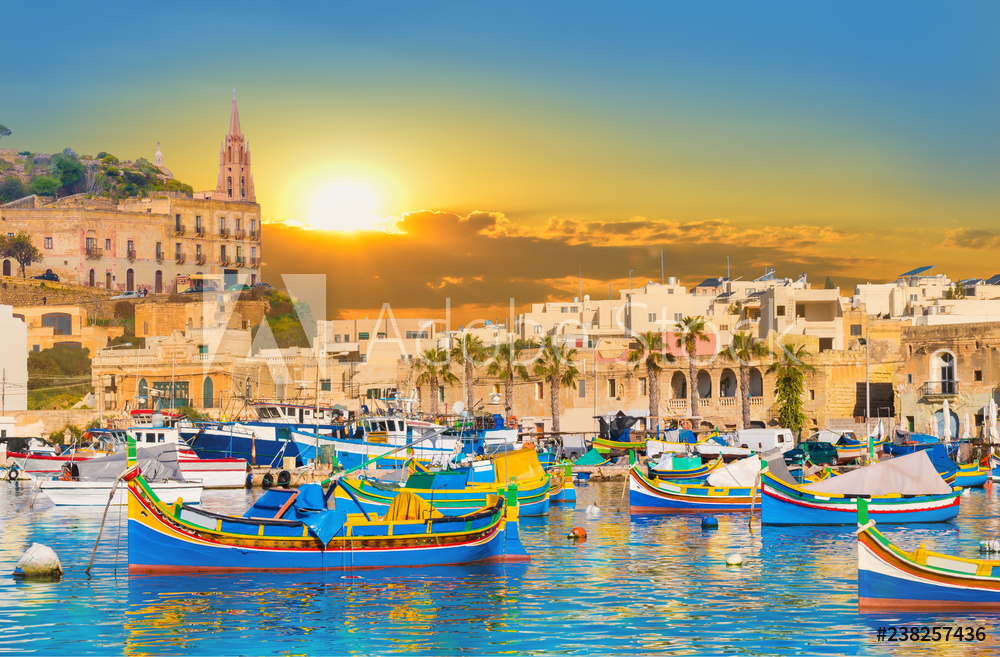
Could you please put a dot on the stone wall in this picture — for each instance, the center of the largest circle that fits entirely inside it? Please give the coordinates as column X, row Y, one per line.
column 50, row 421
column 17, row 291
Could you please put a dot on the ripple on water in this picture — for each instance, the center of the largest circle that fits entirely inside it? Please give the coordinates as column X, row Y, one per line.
column 636, row 585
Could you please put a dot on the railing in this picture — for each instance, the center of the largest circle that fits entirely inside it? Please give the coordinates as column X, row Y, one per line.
column 179, row 258
column 729, row 401
column 241, row 261
column 756, row 401
column 179, row 230
column 130, row 254
column 254, row 235
column 224, row 261
column 200, row 260
column 253, row 262
column 199, row 231
column 941, row 388
column 94, row 253
column 223, row 232
column 238, row 234
column 159, row 256
column 677, row 404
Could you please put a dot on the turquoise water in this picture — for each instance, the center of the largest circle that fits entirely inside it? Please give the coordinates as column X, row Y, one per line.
column 640, row 585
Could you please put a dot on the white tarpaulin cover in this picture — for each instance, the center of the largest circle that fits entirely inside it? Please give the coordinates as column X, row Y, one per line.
column 912, row 474
column 738, row 474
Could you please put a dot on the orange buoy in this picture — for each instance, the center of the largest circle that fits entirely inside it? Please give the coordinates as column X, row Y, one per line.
column 578, row 533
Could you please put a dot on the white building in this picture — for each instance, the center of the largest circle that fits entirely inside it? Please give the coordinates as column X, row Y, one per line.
column 13, row 361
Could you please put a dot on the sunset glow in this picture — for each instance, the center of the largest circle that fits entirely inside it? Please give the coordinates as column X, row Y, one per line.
column 345, row 206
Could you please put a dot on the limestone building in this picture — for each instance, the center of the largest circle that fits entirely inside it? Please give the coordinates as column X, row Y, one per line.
column 153, row 244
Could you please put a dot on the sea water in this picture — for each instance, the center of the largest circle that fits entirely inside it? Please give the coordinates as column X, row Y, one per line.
column 652, row 584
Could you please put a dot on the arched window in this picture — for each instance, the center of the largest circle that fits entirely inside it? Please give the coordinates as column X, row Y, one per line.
column 229, row 182
column 6, row 267
column 704, row 385
column 943, row 370
column 107, row 281
column 727, row 383
column 756, row 383
column 207, row 393
column 130, row 280
column 158, row 285
column 678, row 386
column 93, row 278
column 279, row 387
column 243, row 190
column 143, row 390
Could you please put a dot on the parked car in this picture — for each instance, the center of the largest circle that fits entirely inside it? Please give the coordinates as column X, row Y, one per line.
column 49, row 275
column 818, row 453
column 266, row 286
column 237, row 287
column 128, row 294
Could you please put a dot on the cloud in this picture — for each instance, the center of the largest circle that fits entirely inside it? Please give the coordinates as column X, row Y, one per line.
column 972, row 238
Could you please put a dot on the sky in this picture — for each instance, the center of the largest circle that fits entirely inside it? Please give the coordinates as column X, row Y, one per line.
column 470, row 153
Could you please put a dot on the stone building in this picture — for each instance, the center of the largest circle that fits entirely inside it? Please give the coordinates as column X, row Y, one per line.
column 67, row 326
column 152, row 243
column 13, row 362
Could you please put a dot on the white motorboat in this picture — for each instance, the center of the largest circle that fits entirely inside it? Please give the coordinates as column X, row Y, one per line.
column 95, row 493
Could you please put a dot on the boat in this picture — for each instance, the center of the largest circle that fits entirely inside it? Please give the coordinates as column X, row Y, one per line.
column 96, row 478
column 907, row 443
column 683, row 467
column 561, row 489
column 293, row 530
column 730, row 488
column 892, row 579
column 456, row 492
column 906, row 489
column 973, row 475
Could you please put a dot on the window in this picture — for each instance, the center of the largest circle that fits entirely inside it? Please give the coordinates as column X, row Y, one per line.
column 724, row 327
column 177, row 222
column 910, row 422
column 177, row 250
column 131, row 246
column 651, row 317
column 856, row 329
column 159, row 250
column 496, row 388
column 197, row 251
column 363, row 335
column 642, row 386
column 417, row 335
column 222, row 253
column 347, row 337
column 779, row 311
column 336, row 338
column 441, row 393
column 909, row 378
column 611, row 387
column 324, row 385
column 800, row 311
column 253, row 253
column 977, row 375
column 538, row 329
column 678, row 317
column 380, row 336
column 239, row 254
column 812, row 395
column 539, row 390
column 825, row 344
column 222, row 225
column 670, row 291
column 48, row 242
column 253, row 226
column 583, row 389
column 197, row 223
column 573, row 309
column 107, row 244
column 913, row 298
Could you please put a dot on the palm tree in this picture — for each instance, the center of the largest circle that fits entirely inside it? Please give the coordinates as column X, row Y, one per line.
column 505, row 364
column 649, row 351
column 743, row 349
column 789, row 385
column 555, row 365
column 471, row 352
column 433, row 366
column 691, row 331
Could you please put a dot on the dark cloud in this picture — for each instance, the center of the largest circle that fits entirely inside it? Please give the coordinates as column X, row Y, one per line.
column 972, row 238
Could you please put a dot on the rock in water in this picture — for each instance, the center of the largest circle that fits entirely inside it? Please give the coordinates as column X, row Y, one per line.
column 735, row 559
column 38, row 561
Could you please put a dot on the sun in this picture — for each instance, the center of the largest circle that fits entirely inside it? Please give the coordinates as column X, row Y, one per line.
column 345, row 205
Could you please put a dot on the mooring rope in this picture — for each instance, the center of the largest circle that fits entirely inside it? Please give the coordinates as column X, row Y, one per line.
column 107, row 506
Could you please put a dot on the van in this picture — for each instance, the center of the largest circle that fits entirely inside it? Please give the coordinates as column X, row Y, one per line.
column 762, row 440
column 832, row 437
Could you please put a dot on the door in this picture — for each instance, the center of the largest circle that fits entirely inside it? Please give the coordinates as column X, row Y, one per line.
column 130, row 280
column 93, row 277
column 158, row 287
column 107, row 281
column 6, row 267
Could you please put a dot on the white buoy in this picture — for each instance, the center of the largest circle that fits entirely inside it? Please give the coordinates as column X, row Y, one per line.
column 593, row 510
column 735, row 559
column 38, row 561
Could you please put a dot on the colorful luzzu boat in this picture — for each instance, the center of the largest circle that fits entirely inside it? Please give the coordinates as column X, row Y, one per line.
column 665, row 470
column 890, row 578
column 731, row 488
column 973, row 475
column 906, row 489
column 459, row 492
column 562, row 490
column 288, row 530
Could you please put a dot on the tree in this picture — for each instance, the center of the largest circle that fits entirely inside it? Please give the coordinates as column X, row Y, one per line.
column 434, row 366
column 505, row 365
column 44, row 185
column 5, row 131
column 69, row 171
column 12, row 189
column 470, row 351
column 649, row 350
column 743, row 349
column 21, row 250
column 555, row 365
column 691, row 331
column 828, row 284
column 789, row 386
column 957, row 292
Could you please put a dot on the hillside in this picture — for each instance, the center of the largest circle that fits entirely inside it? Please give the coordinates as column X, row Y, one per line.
column 62, row 174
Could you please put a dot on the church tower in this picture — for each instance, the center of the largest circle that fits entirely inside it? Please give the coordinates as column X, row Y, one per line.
column 235, row 178
column 158, row 158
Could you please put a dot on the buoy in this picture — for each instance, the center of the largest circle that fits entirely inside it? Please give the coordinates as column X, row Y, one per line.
column 709, row 523
column 593, row 510
column 38, row 561
column 578, row 533
column 735, row 559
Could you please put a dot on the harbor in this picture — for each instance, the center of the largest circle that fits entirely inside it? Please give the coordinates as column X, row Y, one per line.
column 636, row 585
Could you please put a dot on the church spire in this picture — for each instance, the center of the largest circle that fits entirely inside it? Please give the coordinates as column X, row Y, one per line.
column 234, row 117
column 235, row 178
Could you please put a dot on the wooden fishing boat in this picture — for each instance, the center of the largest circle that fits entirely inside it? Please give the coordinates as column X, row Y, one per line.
column 700, row 472
column 461, row 491
column 620, row 444
column 973, row 475
column 288, row 530
column 906, row 489
column 562, row 490
column 889, row 578
column 660, row 496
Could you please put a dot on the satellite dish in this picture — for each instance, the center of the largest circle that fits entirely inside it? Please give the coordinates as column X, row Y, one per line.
column 458, row 407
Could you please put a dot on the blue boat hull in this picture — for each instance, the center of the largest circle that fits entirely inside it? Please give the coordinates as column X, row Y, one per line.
column 215, row 444
column 878, row 586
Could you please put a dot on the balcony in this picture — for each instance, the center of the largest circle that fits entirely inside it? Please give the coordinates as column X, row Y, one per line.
column 254, row 235
column 159, row 256
column 224, row 233
column 253, row 263
column 224, row 261
column 238, row 234
column 199, row 260
column 130, row 254
column 94, row 253
column 199, row 231
column 240, row 261
column 939, row 389
column 179, row 230
column 179, row 258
